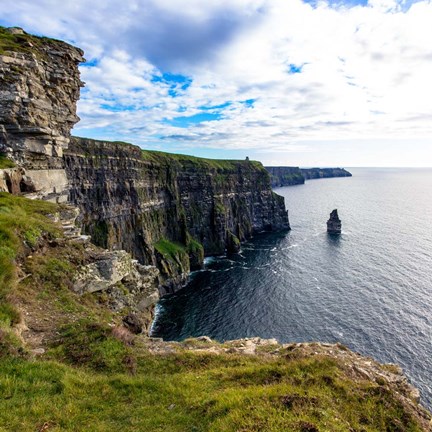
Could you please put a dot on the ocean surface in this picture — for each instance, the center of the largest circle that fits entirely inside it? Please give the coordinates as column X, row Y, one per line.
column 369, row 288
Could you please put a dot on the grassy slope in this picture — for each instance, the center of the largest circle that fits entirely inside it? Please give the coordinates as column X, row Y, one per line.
column 95, row 377
column 22, row 224
column 197, row 392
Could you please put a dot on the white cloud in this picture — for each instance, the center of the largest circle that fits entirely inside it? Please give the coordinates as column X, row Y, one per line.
column 365, row 70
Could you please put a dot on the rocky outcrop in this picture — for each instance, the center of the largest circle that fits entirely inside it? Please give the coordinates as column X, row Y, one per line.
column 39, row 88
column 334, row 224
column 317, row 173
column 120, row 281
column 133, row 200
column 285, row 176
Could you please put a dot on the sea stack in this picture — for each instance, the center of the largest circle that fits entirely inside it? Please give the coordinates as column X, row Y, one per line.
column 334, row 224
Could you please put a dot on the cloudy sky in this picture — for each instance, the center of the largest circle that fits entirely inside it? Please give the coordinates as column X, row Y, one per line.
column 287, row 82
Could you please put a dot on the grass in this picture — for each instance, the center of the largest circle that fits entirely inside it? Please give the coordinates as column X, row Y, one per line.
column 22, row 224
column 5, row 162
column 170, row 250
column 189, row 391
column 215, row 164
column 24, row 43
column 92, row 378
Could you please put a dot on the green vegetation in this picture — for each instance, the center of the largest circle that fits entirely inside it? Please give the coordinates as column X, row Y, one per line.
column 190, row 391
column 174, row 158
column 5, row 162
column 216, row 164
column 169, row 250
column 195, row 247
column 22, row 222
column 96, row 376
column 24, row 43
column 91, row 344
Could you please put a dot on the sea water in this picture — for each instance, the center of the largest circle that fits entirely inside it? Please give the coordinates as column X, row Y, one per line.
column 369, row 288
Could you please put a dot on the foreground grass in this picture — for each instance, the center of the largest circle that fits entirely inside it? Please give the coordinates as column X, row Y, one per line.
column 196, row 392
column 95, row 377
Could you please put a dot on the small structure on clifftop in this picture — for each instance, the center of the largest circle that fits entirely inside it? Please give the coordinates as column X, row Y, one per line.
column 334, row 224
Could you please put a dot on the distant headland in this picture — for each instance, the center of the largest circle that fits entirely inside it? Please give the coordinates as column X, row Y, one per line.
column 290, row 176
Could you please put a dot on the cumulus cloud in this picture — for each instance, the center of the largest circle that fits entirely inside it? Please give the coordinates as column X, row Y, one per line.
column 245, row 74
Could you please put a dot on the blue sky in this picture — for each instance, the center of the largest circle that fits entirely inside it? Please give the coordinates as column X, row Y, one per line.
column 287, row 82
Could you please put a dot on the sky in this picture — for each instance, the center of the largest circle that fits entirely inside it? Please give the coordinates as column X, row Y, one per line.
column 286, row 82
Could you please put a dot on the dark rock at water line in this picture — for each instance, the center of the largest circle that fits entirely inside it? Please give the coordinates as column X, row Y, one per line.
column 334, row 224
column 133, row 323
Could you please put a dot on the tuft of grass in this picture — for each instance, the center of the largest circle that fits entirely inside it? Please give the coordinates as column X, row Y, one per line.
column 91, row 344
column 170, row 250
column 5, row 162
column 10, row 345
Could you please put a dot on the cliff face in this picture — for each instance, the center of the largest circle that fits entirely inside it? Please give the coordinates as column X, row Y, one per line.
column 285, row 176
column 168, row 210
column 290, row 176
column 316, row 173
column 39, row 87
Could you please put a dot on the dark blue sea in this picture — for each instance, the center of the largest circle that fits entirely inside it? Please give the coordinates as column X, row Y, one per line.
column 370, row 288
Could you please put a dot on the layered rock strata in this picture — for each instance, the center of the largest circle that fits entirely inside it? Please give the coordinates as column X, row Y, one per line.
column 119, row 280
column 169, row 210
column 39, row 88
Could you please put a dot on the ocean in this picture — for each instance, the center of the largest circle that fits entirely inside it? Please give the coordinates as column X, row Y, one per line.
column 369, row 288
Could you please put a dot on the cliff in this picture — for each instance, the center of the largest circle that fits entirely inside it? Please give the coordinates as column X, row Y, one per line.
column 168, row 210
column 72, row 353
column 39, row 88
column 290, row 176
column 316, row 173
column 285, row 176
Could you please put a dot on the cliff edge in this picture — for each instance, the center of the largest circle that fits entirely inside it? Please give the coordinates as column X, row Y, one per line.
column 74, row 315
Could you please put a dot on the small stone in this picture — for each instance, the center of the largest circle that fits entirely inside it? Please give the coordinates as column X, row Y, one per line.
column 171, row 407
column 204, row 339
column 38, row 351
